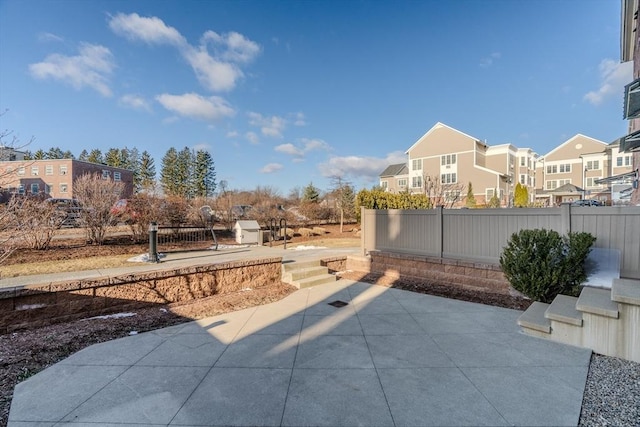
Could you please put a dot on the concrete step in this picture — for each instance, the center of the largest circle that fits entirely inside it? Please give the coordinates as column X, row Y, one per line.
column 533, row 318
column 314, row 281
column 295, row 265
column 303, row 273
column 597, row 301
column 626, row 291
column 563, row 309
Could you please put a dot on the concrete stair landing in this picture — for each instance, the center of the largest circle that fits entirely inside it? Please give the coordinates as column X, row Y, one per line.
column 604, row 320
column 304, row 274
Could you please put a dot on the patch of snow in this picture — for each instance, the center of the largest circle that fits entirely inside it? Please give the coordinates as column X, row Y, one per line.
column 112, row 316
column 245, row 289
column 308, row 248
column 144, row 258
column 230, row 246
column 133, row 333
column 164, row 310
column 29, row 306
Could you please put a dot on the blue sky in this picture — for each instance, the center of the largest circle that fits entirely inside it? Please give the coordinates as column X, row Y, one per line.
column 285, row 93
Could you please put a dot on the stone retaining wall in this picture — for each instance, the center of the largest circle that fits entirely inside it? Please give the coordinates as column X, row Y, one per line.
column 467, row 274
column 39, row 305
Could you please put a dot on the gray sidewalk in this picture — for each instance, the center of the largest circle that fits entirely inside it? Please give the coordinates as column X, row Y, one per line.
column 183, row 259
column 389, row 357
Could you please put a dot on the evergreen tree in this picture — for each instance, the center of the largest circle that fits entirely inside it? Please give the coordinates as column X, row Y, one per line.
column 311, row 194
column 68, row 155
column 113, row 158
column 95, row 156
column 168, row 174
column 471, row 199
column 147, row 172
column 184, row 173
column 494, row 201
column 55, row 153
column 39, row 155
column 28, row 155
column 204, row 174
column 84, row 155
column 521, row 196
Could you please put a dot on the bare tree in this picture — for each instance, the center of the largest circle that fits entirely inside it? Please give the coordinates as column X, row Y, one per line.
column 9, row 237
column 97, row 196
column 38, row 221
column 443, row 193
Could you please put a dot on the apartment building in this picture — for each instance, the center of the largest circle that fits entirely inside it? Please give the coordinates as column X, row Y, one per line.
column 630, row 144
column 445, row 161
column 54, row 178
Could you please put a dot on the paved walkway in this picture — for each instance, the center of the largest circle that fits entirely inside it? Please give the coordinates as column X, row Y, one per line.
column 389, row 357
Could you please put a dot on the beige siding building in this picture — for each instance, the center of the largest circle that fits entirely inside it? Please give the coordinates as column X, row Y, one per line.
column 445, row 161
column 54, row 178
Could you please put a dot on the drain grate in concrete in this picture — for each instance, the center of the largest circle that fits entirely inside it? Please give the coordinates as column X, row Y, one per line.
column 338, row 303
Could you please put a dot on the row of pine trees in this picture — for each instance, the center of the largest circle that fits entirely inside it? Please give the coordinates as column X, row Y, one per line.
column 186, row 173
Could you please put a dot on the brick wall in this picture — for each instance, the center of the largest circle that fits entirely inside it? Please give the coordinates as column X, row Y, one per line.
column 466, row 274
column 39, row 305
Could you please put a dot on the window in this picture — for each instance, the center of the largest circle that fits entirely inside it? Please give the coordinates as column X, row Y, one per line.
column 552, row 169
column 565, row 168
column 34, row 171
column 416, row 182
column 105, row 174
column 523, row 179
column 488, row 193
column 562, row 182
column 48, row 188
column 35, row 188
column 552, row 185
column 63, row 188
column 452, row 196
column 591, row 181
column 21, row 170
column 116, row 176
column 448, row 178
column 627, row 160
column 449, row 159
column 402, row 182
column 48, row 170
column 21, row 189
column 593, row 165
column 384, row 185
column 63, row 169
column 416, row 164
column 619, row 161
column 523, row 161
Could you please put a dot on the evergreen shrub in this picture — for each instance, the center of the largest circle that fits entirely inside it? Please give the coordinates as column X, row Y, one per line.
column 542, row 264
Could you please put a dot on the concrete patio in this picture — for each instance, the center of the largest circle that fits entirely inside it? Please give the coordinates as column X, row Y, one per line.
column 387, row 358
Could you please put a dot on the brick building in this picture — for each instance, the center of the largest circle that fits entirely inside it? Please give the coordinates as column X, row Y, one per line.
column 54, row 178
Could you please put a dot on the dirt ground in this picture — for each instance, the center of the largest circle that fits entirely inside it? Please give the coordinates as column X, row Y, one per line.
column 25, row 353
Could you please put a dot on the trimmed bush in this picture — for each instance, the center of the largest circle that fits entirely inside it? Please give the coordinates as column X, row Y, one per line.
column 542, row 264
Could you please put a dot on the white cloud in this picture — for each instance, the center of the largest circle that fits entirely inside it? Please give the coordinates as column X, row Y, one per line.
column 192, row 105
column 90, row 68
column 289, row 149
column 135, row 102
column 489, row 60
column 271, row 168
column 49, row 37
column 364, row 168
column 269, row 126
column 299, row 119
column 149, row 30
column 615, row 76
column 232, row 134
column 203, row 146
column 252, row 137
column 315, row 144
column 217, row 71
column 236, row 47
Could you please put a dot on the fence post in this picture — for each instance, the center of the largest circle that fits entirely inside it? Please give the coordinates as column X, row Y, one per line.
column 565, row 218
column 153, row 242
column 440, row 227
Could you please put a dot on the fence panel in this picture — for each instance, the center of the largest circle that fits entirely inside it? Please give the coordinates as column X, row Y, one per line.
column 482, row 234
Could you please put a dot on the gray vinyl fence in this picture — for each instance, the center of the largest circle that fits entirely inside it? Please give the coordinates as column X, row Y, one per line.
column 481, row 234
